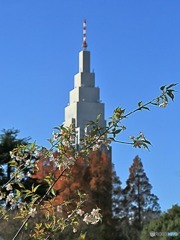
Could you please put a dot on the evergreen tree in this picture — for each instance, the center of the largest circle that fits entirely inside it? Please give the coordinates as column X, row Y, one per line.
column 168, row 224
column 140, row 205
column 8, row 141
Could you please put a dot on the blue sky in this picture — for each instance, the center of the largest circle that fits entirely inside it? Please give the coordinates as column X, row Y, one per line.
column 135, row 49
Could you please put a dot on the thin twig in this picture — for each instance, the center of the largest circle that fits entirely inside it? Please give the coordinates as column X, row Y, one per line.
column 41, row 200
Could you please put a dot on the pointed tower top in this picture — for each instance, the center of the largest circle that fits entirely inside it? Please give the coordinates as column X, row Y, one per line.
column 84, row 43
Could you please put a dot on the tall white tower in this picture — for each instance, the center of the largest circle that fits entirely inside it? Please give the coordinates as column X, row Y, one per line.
column 84, row 99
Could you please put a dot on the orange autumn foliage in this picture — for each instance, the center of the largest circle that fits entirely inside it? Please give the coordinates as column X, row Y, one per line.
column 92, row 176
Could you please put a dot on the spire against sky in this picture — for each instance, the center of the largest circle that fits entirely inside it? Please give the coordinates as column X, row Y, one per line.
column 84, row 99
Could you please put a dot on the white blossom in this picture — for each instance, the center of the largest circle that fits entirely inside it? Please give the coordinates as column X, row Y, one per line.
column 11, row 154
column 38, row 153
column 9, row 197
column 92, row 218
column 28, row 174
column 55, row 136
column 32, row 212
column 20, row 176
column 8, row 187
column 1, row 195
column 95, row 213
column 28, row 162
column 87, row 218
column 13, row 203
column 80, row 212
column 95, row 147
column 18, row 158
column 163, row 104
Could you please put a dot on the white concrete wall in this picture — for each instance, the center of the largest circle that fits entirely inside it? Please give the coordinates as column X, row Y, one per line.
column 84, row 79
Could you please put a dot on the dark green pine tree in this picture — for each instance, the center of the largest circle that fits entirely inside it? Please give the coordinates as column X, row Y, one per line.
column 8, row 141
column 168, row 222
column 117, row 223
column 140, row 204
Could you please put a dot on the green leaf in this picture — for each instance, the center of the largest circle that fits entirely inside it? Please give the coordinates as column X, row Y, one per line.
column 34, row 189
column 109, row 123
column 140, row 103
column 53, row 192
column 64, row 129
column 171, row 85
column 58, row 128
column 90, row 123
column 162, row 87
column 111, row 138
column 21, row 185
column 13, row 163
column 170, row 94
column 143, row 107
column 18, row 193
column 117, row 131
column 98, row 117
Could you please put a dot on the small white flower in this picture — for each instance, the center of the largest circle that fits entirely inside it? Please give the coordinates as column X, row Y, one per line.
column 32, row 212
column 28, row 162
column 1, row 195
column 95, row 213
column 28, row 174
column 11, row 154
column 38, row 153
column 55, row 136
column 9, row 187
column 9, row 197
column 20, row 176
column 80, row 212
column 163, row 104
column 94, row 217
column 18, row 158
column 13, row 203
column 87, row 218
column 96, row 147
column 74, row 230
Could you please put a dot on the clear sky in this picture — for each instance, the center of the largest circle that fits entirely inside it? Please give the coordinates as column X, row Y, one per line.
column 135, row 49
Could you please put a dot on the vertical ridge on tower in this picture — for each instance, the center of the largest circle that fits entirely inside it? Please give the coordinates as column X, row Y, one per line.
column 84, row 43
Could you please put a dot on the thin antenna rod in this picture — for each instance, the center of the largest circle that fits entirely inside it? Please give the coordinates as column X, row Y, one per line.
column 84, row 43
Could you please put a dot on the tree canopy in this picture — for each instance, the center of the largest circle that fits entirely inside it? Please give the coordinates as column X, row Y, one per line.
column 165, row 227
